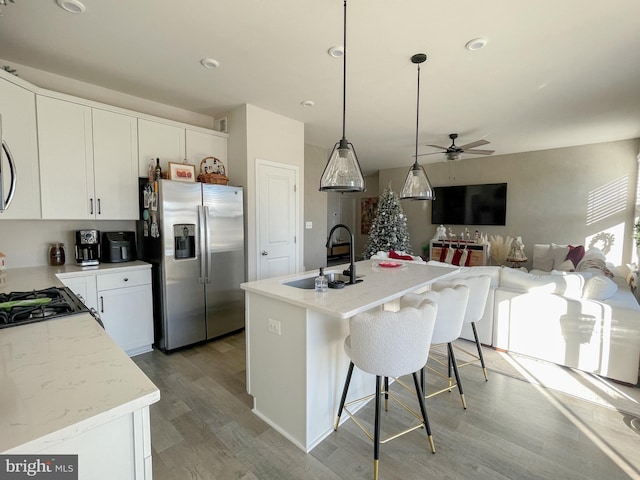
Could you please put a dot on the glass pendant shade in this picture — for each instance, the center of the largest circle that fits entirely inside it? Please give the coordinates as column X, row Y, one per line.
column 342, row 173
column 417, row 185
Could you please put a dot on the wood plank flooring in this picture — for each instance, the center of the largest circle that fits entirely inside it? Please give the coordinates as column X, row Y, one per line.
column 203, row 428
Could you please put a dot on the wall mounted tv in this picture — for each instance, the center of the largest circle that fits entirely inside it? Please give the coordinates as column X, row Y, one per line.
column 470, row 205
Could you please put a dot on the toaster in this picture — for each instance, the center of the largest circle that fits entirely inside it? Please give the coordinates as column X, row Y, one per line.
column 118, row 247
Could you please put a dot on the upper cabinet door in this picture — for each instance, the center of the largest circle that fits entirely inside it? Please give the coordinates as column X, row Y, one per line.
column 115, row 160
column 201, row 145
column 66, row 159
column 159, row 140
column 18, row 127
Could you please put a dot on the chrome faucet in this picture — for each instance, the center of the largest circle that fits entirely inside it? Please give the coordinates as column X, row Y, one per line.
column 352, row 263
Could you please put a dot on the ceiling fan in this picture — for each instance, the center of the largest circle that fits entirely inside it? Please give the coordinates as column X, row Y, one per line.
column 453, row 152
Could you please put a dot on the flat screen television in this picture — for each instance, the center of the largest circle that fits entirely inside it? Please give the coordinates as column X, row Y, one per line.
column 470, row 205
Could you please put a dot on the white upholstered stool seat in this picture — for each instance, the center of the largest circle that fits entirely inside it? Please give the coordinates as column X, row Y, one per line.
column 389, row 344
column 452, row 304
column 478, row 293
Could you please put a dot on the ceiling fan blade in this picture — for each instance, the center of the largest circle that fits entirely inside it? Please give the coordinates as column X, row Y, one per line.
column 480, row 152
column 438, row 146
column 431, row 153
column 477, row 143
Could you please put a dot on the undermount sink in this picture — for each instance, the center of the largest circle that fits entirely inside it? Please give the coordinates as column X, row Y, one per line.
column 334, row 279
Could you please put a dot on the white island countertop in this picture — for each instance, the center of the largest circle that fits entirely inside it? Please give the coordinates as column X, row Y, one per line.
column 62, row 377
column 379, row 286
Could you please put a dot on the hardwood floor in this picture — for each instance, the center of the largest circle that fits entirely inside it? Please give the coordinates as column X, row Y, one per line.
column 203, row 428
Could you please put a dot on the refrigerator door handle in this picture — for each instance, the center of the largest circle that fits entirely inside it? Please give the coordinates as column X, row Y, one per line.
column 207, row 250
column 201, row 241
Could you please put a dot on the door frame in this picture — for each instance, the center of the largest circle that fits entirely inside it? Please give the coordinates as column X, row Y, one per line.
column 296, row 170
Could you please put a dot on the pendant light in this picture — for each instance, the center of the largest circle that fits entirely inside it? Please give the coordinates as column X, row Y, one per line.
column 417, row 185
column 342, row 172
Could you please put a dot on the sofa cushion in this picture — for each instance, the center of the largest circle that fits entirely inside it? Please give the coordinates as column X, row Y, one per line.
column 569, row 285
column 566, row 266
column 550, row 258
column 599, row 287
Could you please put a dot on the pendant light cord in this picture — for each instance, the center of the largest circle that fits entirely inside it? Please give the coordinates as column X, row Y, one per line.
column 344, row 72
column 417, row 114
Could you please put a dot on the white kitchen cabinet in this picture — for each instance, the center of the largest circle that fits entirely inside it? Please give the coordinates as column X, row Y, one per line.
column 200, row 145
column 84, row 287
column 115, row 160
column 159, row 140
column 87, row 161
column 18, row 131
column 123, row 298
column 172, row 143
column 125, row 307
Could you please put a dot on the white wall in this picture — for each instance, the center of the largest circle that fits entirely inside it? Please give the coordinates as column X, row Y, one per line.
column 315, row 208
column 565, row 195
column 257, row 134
column 26, row 242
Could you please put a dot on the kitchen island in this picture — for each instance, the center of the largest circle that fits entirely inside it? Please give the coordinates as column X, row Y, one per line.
column 67, row 388
column 296, row 365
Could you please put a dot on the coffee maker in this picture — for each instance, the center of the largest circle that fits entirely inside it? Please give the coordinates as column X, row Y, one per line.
column 87, row 247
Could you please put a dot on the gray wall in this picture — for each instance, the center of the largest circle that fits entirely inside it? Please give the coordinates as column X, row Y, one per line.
column 577, row 195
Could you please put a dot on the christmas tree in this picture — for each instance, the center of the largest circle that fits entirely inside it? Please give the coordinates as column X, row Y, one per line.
column 389, row 227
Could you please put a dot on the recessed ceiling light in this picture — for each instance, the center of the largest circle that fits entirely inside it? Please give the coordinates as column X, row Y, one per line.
column 72, row 6
column 476, row 44
column 336, row 52
column 307, row 103
column 209, row 63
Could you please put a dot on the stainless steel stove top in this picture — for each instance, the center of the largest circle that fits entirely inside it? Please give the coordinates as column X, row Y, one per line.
column 19, row 308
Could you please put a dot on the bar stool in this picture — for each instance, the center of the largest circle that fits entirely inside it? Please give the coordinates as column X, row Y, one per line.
column 452, row 304
column 478, row 293
column 389, row 344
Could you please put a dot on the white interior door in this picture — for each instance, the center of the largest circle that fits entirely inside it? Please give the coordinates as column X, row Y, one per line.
column 277, row 223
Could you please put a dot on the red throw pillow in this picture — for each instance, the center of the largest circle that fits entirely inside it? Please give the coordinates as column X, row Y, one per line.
column 575, row 254
column 397, row 256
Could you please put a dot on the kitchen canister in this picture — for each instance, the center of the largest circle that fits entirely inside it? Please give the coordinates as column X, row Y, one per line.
column 56, row 254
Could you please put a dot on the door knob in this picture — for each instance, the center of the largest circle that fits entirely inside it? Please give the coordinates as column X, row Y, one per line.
column 264, row 253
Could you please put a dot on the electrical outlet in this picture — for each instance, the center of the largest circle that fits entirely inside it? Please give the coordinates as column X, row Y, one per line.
column 274, row 327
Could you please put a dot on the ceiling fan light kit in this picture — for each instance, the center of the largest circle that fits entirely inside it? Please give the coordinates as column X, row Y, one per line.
column 342, row 172
column 417, row 185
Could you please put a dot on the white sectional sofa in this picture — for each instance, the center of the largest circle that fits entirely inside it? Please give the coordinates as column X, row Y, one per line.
column 584, row 320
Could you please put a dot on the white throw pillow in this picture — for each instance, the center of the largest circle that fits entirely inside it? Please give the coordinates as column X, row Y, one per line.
column 599, row 287
column 558, row 253
column 544, row 264
column 569, row 285
column 566, row 266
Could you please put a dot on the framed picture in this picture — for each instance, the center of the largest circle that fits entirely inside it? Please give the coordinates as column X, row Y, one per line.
column 368, row 208
column 182, row 172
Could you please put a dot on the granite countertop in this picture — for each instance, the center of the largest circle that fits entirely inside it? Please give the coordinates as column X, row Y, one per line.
column 61, row 377
column 379, row 286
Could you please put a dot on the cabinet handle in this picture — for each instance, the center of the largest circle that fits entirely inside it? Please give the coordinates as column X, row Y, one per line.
column 101, row 304
column 91, row 202
column 99, row 208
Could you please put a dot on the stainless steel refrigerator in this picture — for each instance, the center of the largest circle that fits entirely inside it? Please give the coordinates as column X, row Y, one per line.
column 193, row 235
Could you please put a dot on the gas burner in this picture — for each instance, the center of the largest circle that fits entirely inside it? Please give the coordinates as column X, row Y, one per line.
column 18, row 308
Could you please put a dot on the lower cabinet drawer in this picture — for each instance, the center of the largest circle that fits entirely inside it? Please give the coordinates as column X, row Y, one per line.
column 131, row 278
